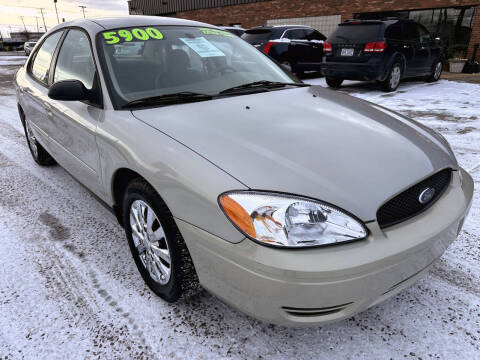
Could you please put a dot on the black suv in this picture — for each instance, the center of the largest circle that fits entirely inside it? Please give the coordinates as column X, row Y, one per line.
column 382, row 50
column 297, row 48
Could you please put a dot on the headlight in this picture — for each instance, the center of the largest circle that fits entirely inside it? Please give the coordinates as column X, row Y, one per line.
column 289, row 221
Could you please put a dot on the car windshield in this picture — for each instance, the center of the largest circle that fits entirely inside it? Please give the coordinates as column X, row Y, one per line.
column 152, row 61
column 355, row 33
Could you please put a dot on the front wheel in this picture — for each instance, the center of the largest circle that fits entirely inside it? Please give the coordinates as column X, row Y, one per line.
column 334, row 82
column 392, row 81
column 157, row 246
column 436, row 72
column 39, row 154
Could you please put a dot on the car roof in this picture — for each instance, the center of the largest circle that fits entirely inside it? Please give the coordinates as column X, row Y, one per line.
column 386, row 21
column 280, row 27
column 128, row 21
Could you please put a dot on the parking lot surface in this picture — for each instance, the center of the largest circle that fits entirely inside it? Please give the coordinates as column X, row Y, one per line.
column 69, row 287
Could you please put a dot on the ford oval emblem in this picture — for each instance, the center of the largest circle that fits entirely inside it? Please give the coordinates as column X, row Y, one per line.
column 426, row 195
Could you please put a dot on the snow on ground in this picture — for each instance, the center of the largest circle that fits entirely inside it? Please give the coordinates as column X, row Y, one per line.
column 12, row 60
column 69, row 288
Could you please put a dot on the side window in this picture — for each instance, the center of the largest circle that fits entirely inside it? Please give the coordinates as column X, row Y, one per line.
column 75, row 60
column 424, row 34
column 41, row 63
column 295, row 34
column 410, row 32
column 394, row 32
column 314, row 35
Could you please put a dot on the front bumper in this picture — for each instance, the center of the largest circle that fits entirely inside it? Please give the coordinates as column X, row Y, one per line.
column 313, row 286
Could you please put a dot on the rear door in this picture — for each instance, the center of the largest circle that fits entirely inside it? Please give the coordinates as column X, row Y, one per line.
column 74, row 123
column 298, row 47
column 349, row 40
column 315, row 40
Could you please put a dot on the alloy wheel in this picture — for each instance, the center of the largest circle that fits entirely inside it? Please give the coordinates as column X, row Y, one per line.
column 150, row 242
column 438, row 71
column 395, row 77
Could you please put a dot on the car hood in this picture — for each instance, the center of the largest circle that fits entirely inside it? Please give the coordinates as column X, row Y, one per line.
column 311, row 141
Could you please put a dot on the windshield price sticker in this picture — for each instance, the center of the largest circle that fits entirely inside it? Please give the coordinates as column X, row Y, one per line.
column 208, row 31
column 202, row 47
column 125, row 35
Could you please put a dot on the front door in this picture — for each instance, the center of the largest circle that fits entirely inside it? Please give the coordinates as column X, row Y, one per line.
column 74, row 123
column 424, row 51
column 410, row 47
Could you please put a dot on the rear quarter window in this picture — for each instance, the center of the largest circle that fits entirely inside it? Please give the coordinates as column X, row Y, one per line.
column 356, row 33
column 256, row 36
column 394, row 32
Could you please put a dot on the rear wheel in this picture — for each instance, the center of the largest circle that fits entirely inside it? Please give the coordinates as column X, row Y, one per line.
column 334, row 82
column 392, row 81
column 39, row 154
column 436, row 72
column 157, row 246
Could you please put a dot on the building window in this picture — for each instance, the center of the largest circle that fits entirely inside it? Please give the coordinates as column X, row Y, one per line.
column 452, row 25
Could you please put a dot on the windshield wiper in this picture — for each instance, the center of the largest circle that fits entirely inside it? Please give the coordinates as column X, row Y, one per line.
column 168, row 99
column 260, row 85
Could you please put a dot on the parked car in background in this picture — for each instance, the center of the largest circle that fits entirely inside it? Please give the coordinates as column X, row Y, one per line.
column 298, row 48
column 233, row 29
column 28, row 47
column 383, row 50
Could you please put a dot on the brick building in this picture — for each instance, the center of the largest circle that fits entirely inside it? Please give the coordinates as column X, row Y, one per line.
column 456, row 22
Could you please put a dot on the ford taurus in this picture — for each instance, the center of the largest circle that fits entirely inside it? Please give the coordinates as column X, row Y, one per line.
column 293, row 203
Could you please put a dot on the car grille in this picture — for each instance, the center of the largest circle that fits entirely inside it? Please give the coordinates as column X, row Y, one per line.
column 407, row 204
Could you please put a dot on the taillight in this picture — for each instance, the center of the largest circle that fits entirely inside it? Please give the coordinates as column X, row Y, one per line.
column 378, row 46
column 268, row 45
column 327, row 47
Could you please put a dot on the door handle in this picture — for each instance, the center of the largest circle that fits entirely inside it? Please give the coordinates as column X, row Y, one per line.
column 406, row 46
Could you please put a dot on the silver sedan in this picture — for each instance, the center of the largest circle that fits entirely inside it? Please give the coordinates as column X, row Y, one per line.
column 294, row 203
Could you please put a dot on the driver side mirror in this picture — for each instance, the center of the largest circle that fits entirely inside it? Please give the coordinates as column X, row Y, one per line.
column 69, row 90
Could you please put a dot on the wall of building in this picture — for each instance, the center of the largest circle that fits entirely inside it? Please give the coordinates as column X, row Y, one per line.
column 259, row 13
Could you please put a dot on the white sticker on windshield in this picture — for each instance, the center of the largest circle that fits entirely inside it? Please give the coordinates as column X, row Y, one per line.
column 202, row 47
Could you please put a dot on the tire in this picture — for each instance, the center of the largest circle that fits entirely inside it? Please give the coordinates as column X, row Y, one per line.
column 334, row 82
column 39, row 154
column 393, row 79
column 436, row 71
column 179, row 275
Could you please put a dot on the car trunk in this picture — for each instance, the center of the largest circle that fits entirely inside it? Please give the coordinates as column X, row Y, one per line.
column 349, row 40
